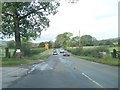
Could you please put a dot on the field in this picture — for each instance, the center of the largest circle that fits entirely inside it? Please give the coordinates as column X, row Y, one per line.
column 10, row 50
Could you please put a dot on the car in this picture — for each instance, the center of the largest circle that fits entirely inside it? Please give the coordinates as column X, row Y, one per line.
column 55, row 53
column 66, row 54
column 61, row 50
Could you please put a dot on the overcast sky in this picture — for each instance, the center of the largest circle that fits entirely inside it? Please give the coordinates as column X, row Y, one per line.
column 98, row 18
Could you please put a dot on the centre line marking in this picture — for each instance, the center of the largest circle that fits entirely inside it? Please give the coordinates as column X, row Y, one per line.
column 92, row 80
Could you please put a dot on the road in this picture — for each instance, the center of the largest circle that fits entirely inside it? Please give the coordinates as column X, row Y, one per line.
column 69, row 72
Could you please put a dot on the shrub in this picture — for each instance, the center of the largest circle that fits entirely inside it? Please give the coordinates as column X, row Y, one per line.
column 37, row 51
column 93, row 52
column 11, row 44
column 76, row 51
column 26, row 48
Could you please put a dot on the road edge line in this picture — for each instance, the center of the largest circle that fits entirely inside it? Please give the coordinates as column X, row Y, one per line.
column 92, row 80
column 33, row 69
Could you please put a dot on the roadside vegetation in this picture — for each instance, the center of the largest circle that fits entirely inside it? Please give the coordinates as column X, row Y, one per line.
column 31, row 54
column 93, row 54
column 89, row 48
column 84, row 47
column 35, row 58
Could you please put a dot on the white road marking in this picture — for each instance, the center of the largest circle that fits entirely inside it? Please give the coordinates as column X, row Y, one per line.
column 94, row 62
column 33, row 68
column 92, row 80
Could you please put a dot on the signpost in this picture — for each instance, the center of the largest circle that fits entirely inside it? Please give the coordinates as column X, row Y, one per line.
column 46, row 46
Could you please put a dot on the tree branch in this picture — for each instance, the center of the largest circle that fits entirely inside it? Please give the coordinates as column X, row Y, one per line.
column 6, row 14
column 33, row 11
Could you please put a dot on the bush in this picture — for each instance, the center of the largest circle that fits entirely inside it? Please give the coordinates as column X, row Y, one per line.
column 11, row 44
column 26, row 48
column 76, row 51
column 37, row 51
column 93, row 52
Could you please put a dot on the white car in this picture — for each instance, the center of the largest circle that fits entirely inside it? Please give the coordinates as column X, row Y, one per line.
column 55, row 53
column 61, row 50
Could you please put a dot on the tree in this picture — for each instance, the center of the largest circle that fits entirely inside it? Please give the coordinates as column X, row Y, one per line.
column 50, row 43
column 87, row 40
column 74, row 42
column 106, row 42
column 42, row 45
column 26, row 19
column 63, row 40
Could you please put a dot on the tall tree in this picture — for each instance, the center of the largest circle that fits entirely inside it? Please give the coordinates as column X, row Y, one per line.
column 26, row 19
column 75, row 41
column 63, row 40
column 87, row 40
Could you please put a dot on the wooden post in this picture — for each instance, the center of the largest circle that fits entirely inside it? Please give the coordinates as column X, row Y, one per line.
column 6, row 52
column 114, row 53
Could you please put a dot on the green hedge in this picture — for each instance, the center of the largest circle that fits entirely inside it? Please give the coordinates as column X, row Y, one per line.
column 94, row 52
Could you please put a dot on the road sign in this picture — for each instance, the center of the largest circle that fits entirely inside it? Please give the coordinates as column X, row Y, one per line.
column 46, row 46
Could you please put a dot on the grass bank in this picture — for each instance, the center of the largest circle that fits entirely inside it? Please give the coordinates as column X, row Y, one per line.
column 106, row 60
column 27, row 60
column 91, row 53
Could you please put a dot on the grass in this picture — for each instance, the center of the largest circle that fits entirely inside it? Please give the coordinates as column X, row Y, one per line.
column 14, row 62
column 111, row 48
column 90, row 47
column 27, row 60
column 42, row 55
column 10, row 50
column 106, row 60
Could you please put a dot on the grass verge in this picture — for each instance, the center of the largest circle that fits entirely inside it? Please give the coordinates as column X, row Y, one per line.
column 106, row 60
column 28, row 60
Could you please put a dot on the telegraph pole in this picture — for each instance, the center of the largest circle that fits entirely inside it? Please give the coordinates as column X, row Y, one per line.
column 79, row 38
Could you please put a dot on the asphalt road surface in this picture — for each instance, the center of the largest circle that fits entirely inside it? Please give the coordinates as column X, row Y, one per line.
column 60, row 71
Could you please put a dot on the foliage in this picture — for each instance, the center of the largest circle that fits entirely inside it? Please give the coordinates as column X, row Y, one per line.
column 76, row 51
column 50, row 44
column 11, row 44
column 26, row 19
column 42, row 55
column 29, row 60
column 63, row 40
column 42, row 44
column 93, row 52
column 106, row 42
column 26, row 48
column 74, row 42
column 106, row 60
column 27, row 12
column 35, row 51
column 87, row 40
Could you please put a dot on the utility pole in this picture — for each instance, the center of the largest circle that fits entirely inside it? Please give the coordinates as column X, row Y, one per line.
column 79, row 38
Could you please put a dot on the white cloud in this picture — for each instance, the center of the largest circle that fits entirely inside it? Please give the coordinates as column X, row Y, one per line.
column 94, row 17
column 98, row 18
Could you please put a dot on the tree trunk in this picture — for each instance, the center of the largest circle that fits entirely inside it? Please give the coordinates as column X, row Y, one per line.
column 17, row 37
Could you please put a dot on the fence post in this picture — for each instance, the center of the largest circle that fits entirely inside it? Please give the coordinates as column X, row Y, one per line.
column 7, row 52
column 114, row 53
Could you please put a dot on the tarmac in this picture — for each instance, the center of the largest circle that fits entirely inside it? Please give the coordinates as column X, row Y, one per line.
column 10, row 74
